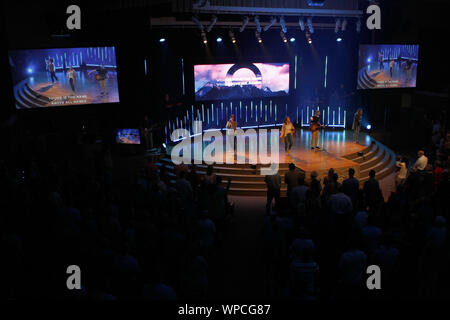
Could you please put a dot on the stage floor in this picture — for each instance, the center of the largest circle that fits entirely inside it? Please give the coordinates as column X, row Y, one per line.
column 334, row 145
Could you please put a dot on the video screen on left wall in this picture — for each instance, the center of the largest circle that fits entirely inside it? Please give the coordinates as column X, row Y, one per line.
column 64, row 76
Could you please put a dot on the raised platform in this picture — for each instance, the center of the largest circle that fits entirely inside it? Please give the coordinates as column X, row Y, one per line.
column 337, row 151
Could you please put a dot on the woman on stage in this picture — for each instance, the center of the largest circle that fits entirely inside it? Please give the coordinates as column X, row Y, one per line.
column 287, row 134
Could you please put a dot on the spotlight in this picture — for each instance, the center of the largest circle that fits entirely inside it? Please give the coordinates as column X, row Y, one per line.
column 308, row 37
column 368, row 127
column 273, row 20
column 283, row 36
column 339, row 39
column 358, row 26
column 344, row 25
column 233, row 39
column 205, row 40
column 258, row 25
column 292, row 39
column 244, row 24
column 258, row 36
column 301, row 23
column 337, row 26
column 310, row 25
column 219, row 39
column 162, row 40
column 283, row 24
column 213, row 22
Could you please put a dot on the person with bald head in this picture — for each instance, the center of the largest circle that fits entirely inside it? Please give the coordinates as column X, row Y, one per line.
column 422, row 161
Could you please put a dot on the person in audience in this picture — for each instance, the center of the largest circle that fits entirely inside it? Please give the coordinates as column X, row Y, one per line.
column 298, row 193
column 315, row 186
column 371, row 190
column 273, row 183
column 350, row 186
column 402, row 172
column 291, row 178
column 210, row 177
column 421, row 163
column 437, row 172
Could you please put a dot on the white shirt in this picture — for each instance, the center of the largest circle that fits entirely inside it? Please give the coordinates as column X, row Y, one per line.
column 71, row 74
column 403, row 171
column 421, row 163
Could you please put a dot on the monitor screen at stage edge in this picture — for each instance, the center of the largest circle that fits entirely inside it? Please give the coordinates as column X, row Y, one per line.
column 64, row 77
column 128, row 136
column 241, row 81
column 384, row 66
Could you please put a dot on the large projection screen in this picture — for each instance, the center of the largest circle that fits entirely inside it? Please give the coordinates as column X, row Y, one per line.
column 384, row 66
column 64, row 76
column 241, row 80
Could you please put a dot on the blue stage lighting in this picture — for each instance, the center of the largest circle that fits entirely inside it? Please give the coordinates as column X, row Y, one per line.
column 162, row 40
column 30, row 71
column 369, row 60
column 219, row 39
column 292, row 39
column 368, row 127
column 339, row 39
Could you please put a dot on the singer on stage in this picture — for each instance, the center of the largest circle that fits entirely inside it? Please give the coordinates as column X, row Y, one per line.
column 315, row 126
column 287, row 134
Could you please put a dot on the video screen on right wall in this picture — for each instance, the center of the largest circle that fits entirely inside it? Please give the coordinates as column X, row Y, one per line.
column 383, row 66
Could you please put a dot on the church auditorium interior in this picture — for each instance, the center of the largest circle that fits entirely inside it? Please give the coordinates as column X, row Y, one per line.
column 203, row 151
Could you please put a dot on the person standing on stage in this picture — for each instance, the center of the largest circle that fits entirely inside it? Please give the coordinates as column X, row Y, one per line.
column 51, row 69
column 287, row 134
column 101, row 76
column 391, row 67
column 356, row 127
column 231, row 129
column 72, row 76
column 315, row 126
column 381, row 58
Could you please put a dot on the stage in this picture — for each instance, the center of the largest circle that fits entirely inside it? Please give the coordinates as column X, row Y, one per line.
column 337, row 150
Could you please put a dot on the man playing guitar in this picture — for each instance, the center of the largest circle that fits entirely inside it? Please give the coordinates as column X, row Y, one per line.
column 315, row 126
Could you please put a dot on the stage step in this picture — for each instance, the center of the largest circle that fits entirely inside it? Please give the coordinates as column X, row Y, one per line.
column 247, row 180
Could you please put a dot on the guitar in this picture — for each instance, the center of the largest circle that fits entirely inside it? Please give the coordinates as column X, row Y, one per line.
column 316, row 126
column 99, row 77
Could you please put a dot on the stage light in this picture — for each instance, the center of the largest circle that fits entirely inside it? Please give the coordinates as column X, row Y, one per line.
column 258, row 25
column 310, row 41
column 292, row 39
column 205, row 40
column 233, row 39
column 369, row 60
column 358, row 26
column 344, row 25
column 162, row 40
column 283, row 24
column 339, row 39
column 283, row 36
column 213, row 22
column 273, row 20
column 219, row 39
column 368, row 127
column 164, row 145
column 30, row 71
column 301, row 23
column 258, row 36
column 244, row 23
column 337, row 26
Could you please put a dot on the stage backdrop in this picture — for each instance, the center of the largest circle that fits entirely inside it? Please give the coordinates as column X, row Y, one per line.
column 42, row 78
column 241, row 81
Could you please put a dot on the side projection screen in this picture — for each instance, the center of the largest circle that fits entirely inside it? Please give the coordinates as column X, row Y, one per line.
column 64, row 77
column 388, row 66
column 241, row 81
